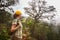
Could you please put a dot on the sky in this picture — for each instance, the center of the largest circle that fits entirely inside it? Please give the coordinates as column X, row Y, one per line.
column 55, row 3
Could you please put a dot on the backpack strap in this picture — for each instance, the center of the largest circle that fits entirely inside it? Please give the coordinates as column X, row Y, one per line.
column 17, row 22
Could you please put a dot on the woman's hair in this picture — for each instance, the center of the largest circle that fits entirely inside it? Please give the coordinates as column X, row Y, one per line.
column 15, row 16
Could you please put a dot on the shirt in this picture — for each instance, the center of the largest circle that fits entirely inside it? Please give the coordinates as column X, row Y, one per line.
column 18, row 32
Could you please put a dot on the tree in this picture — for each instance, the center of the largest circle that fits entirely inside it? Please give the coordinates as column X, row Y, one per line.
column 39, row 10
column 40, row 30
column 6, row 3
column 5, row 17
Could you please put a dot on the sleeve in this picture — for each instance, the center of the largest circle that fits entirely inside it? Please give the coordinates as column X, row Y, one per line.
column 14, row 21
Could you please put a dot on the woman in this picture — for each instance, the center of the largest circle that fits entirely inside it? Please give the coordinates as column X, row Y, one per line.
column 16, row 28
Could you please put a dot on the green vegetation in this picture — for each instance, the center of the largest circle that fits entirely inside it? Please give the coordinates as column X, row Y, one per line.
column 5, row 17
column 33, row 27
column 40, row 30
column 36, row 30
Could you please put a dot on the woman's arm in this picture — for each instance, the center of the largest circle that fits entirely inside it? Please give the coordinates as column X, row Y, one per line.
column 14, row 27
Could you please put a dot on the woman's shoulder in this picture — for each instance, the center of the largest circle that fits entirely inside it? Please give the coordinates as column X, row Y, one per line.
column 15, row 19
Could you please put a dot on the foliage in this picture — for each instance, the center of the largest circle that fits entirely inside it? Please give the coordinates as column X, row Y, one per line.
column 38, row 10
column 3, row 32
column 5, row 18
column 34, row 29
column 40, row 30
column 6, row 3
